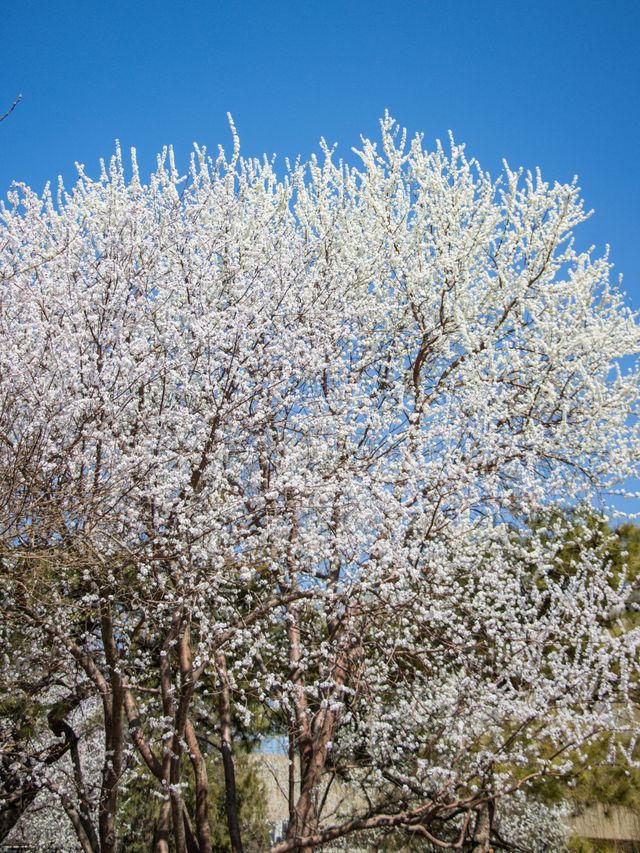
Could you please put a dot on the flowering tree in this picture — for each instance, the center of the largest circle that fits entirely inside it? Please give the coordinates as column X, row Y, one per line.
column 275, row 448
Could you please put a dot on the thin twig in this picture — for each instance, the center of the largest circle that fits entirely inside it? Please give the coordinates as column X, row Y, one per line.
column 11, row 108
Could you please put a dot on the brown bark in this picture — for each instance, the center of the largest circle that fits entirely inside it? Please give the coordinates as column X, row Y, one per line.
column 177, row 819
column 482, row 829
column 113, row 709
column 162, row 830
column 88, row 846
column 190, row 838
column 330, row 833
column 202, row 789
column 137, row 736
column 299, row 813
column 172, row 813
column 180, row 717
column 291, row 793
column 231, row 796
column 313, row 760
column 84, row 812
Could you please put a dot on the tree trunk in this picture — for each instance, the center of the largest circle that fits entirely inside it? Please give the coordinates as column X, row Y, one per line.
column 113, row 708
column 202, row 790
column 163, row 829
column 231, row 797
column 291, row 793
column 179, row 832
column 482, row 830
column 313, row 758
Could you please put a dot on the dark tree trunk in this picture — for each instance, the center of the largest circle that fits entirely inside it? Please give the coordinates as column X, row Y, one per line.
column 231, row 797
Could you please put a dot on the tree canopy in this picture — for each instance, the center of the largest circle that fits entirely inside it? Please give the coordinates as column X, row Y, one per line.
column 274, row 456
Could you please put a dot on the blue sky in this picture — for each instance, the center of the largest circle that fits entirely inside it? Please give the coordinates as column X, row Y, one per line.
column 554, row 84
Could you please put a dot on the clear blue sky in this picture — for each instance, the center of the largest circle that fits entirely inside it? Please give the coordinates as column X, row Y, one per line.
column 554, row 84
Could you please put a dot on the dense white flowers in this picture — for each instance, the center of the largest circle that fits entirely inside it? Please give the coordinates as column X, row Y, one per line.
column 293, row 434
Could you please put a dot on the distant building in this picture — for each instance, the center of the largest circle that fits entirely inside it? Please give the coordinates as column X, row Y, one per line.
column 617, row 826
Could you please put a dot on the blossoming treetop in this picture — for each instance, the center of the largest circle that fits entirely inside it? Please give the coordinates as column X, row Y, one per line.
column 289, row 438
